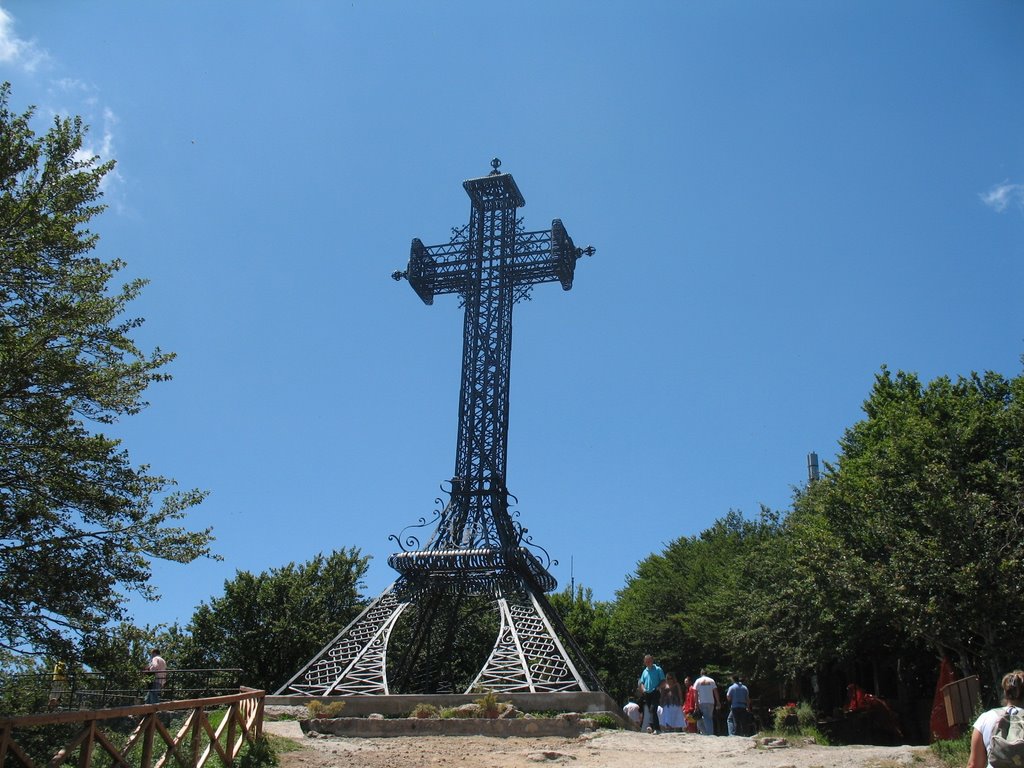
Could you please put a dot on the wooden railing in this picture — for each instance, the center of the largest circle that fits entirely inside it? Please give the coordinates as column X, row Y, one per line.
column 37, row 692
column 150, row 744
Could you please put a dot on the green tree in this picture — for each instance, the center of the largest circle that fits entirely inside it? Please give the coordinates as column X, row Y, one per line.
column 802, row 603
column 677, row 605
column 270, row 624
column 589, row 623
column 121, row 651
column 928, row 493
column 23, row 684
column 79, row 523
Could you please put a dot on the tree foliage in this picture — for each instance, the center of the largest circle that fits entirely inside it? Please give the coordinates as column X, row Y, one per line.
column 678, row 604
column 913, row 539
column 804, row 603
column 270, row 624
column 589, row 623
column 928, row 494
column 79, row 523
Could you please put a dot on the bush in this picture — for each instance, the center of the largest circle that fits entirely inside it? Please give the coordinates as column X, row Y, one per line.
column 489, row 705
column 805, row 717
column 797, row 720
column 320, row 710
column 606, row 720
column 424, row 711
column 794, row 718
column 259, row 754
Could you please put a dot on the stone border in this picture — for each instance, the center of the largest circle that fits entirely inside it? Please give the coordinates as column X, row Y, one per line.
column 361, row 727
column 399, row 705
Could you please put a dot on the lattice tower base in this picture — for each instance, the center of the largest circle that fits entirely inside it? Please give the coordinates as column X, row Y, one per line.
column 532, row 653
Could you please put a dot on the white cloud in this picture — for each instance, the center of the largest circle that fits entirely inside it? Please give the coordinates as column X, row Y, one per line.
column 1003, row 196
column 100, row 145
column 65, row 96
column 99, row 142
column 13, row 50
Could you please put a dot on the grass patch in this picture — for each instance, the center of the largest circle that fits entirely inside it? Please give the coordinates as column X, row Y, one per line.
column 604, row 720
column 282, row 744
column 953, row 752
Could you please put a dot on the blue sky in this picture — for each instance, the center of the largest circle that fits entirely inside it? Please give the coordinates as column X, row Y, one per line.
column 783, row 196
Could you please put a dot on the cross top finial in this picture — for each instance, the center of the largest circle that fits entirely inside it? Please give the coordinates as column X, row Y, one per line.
column 495, row 165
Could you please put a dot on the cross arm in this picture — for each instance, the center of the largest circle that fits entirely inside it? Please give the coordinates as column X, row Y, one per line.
column 539, row 257
column 545, row 256
column 436, row 269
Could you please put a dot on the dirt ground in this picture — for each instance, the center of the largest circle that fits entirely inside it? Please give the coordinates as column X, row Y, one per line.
column 600, row 749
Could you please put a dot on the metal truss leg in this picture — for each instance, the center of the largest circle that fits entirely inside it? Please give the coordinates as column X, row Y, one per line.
column 355, row 662
column 528, row 657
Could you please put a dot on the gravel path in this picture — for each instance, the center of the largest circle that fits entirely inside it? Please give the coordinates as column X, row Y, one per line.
column 601, row 749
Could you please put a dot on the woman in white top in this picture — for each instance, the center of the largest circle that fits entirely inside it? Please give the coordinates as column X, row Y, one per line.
column 985, row 725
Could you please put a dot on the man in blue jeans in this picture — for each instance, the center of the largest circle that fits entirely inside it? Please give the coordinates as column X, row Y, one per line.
column 739, row 707
column 707, row 700
column 650, row 685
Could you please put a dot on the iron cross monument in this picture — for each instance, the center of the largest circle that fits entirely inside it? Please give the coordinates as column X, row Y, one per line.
column 476, row 549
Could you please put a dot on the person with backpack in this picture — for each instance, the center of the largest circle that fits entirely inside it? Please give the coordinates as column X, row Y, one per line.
column 998, row 738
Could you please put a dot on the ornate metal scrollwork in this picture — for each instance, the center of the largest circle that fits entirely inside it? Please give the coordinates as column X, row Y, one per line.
column 408, row 542
column 527, row 541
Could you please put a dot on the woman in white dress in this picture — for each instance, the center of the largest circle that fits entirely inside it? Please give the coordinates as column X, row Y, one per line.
column 672, row 705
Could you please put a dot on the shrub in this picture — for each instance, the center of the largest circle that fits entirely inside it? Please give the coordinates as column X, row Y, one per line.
column 319, row 709
column 805, row 717
column 259, row 754
column 605, row 720
column 489, row 705
column 424, row 711
column 798, row 720
column 784, row 719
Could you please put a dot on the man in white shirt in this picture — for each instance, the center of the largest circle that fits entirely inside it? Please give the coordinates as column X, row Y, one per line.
column 158, row 668
column 707, row 700
column 632, row 711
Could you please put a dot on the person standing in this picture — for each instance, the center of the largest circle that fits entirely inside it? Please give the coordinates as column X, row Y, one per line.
column 58, row 685
column 690, row 706
column 985, row 725
column 650, row 685
column 738, row 697
column 672, row 705
column 708, row 701
column 158, row 668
